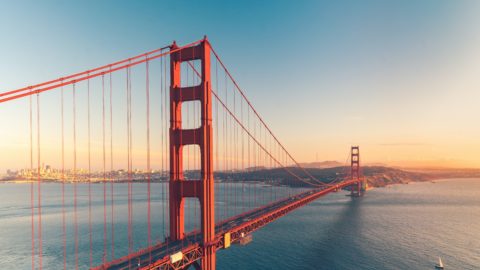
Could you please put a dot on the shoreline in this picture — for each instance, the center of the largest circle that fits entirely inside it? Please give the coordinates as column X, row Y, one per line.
column 433, row 180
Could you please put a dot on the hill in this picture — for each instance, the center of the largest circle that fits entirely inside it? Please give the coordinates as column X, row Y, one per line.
column 322, row 164
column 377, row 176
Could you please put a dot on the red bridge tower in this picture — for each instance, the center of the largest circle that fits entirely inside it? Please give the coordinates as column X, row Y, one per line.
column 203, row 188
column 358, row 189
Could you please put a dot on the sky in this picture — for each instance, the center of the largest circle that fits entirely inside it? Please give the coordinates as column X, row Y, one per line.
column 399, row 78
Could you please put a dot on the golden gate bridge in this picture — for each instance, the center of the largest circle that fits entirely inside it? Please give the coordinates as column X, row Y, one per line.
column 178, row 113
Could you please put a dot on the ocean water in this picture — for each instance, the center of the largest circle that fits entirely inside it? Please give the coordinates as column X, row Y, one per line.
column 398, row 227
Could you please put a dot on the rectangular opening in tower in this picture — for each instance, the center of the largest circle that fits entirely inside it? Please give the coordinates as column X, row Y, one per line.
column 191, row 162
column 191, row 114
column 192, row 215
column 191, row 73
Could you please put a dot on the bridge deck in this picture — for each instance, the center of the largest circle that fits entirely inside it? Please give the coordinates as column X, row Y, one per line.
column 158, row 256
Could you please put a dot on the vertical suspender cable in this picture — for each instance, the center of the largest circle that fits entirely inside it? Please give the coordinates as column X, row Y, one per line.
column 231, row 128
column 216, row 121
column 181, row 140
column 249, row 158
column 166, row 201
column 225, row 185
column 90, row 236
column 270, row 164
column 163, row 156
column 255, row 164
column 111, row 168
column 39, row 195
column 234, row 156
column 227, row 149
column 149, row 229
column 104, row 175
column 130, row 181
column 64, row 231
column 262, row 162
column 75, row 217
column 242, row 134
column 131, row 161
column 32, row 195
column 129, row 165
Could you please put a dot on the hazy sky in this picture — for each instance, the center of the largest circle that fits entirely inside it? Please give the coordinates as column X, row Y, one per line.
column 399, row 78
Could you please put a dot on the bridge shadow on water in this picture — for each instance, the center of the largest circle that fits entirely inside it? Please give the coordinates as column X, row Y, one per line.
column 324, row 235
column 340, row 244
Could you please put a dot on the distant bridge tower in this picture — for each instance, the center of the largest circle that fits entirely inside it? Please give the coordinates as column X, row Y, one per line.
column 357, row 189
column 203, row 188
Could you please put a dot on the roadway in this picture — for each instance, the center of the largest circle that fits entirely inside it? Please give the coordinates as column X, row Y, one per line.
column 242, row 224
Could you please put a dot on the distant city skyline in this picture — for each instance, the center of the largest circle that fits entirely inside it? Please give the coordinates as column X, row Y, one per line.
column 400, row 79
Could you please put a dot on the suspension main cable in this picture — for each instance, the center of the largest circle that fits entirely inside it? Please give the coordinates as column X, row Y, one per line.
column 256, row 113
column 89, row 74
column 320, row 183
column 259, row 144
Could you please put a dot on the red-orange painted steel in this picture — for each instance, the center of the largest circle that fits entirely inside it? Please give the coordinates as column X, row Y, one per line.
column 251, row 221
column 203, row 188
column 355, row 171
column 89, row 74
